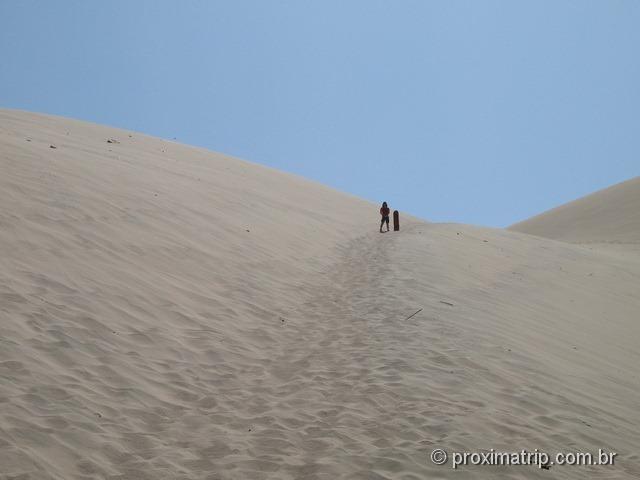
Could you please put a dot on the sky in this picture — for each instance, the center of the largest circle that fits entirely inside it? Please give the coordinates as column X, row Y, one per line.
column 480, row 111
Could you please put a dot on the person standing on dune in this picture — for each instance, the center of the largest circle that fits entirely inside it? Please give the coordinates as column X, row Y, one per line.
column 384, row 212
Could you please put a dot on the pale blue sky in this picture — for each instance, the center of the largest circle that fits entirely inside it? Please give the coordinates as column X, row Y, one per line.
column 474, row 111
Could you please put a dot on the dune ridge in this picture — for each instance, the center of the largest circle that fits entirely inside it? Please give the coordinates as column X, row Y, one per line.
column 608, row 216
column 169, row 312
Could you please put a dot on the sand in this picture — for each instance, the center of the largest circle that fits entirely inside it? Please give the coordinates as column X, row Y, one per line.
column 172, row 313
column 609, row 216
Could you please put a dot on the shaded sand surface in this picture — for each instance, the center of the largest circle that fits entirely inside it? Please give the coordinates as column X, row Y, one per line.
column 171, row 313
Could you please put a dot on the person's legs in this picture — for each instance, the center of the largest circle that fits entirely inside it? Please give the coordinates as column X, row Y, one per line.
column 381, row 223
column 387, row 220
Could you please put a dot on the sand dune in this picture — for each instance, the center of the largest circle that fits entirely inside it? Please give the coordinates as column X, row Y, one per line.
column 609, row 216
column 172, row 313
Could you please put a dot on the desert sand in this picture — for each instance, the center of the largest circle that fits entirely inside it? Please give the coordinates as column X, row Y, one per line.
column 607, row 217
column 172, row 313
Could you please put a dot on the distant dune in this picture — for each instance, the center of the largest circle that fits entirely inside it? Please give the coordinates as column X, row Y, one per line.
column 611, row 215
column 172, row 313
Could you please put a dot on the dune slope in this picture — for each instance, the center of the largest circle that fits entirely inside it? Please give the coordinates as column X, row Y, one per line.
column 609, row 216
column 168, row 312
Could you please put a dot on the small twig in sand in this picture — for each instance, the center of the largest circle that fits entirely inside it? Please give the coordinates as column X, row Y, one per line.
column 446, row 303
column 413, row 315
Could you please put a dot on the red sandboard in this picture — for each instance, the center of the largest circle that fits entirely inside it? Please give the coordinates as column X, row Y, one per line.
column 396, row 221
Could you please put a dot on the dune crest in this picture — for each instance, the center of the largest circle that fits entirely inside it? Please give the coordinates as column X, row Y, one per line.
column 608, row 216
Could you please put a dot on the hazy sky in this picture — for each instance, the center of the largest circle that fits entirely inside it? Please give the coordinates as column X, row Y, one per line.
column 474, row 111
